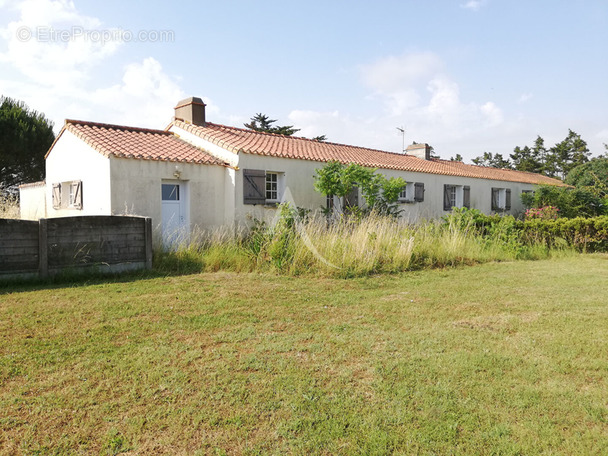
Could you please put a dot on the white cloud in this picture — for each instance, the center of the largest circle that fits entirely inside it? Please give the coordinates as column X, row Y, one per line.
column 416, row 92
column 473, row 5
column 47, row 44
column 399, row 79
column 58, row 52
column 524, row 97
column 145, row 97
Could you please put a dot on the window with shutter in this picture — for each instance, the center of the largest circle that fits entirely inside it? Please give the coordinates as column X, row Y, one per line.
column 508, row 199
column 466, row 196
column 254, row 185
column 495, row 199
column 419, row 192
column 447, row 197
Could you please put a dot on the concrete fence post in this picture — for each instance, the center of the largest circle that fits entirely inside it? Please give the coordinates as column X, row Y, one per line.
column 148, row 240
column 43, row 249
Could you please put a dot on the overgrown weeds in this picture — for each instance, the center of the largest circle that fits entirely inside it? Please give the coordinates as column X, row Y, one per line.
column 9, row 206
column 305, row 244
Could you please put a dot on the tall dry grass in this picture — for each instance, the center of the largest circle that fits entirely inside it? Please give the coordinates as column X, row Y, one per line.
column 347, row 247
column 9, row 206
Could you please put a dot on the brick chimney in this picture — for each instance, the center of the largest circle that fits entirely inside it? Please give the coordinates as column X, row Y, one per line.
column 419, row 150
column 191, row 110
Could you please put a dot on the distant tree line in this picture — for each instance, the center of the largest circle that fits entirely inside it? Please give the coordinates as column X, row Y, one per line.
column 556, row 161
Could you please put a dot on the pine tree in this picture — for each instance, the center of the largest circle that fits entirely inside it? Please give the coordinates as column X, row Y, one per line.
column 261, row 122
column 25, row 137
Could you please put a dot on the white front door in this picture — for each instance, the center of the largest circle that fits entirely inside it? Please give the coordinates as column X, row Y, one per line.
column 175, row 223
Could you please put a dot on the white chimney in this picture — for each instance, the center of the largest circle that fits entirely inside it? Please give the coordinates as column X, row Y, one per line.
column 419, row 150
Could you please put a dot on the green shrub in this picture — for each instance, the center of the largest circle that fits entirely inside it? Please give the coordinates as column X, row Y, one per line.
column 299, row 243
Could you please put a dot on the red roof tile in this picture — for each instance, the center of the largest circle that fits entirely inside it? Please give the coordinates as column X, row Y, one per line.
column 239, row 140
column 139, row 143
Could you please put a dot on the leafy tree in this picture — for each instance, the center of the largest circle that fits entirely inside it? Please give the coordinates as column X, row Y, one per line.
column 492, row 160
column 594, row 173
column 570, row 153
column 571, row 202
column 261, row 122
column 380, row 193
column 320, row 138
column 25, row 137
column 530, row 159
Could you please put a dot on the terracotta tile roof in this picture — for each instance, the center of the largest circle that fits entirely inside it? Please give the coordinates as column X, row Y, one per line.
column 139, row 143
column 239, row 140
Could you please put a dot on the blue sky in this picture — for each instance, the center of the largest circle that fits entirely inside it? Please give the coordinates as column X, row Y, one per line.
column 465, row 76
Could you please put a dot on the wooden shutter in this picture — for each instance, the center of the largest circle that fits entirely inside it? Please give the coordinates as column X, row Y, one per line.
column 466, row 196
column 495, row 193
column 447, row 203
column 56, row 196
column 77, row 192
column 508, row 199
column 419, row 192
column 254, row 184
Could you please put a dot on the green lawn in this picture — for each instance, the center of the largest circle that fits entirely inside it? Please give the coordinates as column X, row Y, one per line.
column 501, row 358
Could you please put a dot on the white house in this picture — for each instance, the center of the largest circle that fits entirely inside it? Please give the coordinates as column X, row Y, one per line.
column 199, row 174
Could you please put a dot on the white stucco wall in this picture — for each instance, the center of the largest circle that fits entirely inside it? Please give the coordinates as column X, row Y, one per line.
column 72, row 159
column 136, row 190
column 32, row 201
column 299, row 180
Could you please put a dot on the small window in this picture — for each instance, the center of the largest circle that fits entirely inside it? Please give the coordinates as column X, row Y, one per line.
column 170, row 192
column 407, row 194
column 262, row 187
column 501, row 199
column 272, row 187
column 67, row 195
column 456, row 196
column 412, row 192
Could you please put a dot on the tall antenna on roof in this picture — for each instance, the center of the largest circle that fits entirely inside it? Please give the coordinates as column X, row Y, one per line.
column 402, row 130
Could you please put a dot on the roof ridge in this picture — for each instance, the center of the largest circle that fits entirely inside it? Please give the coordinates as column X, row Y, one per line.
column 116, row 126
column 292, row 137
column 118, row 141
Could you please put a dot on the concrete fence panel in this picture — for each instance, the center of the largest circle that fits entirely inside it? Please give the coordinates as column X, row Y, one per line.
column 89, row 243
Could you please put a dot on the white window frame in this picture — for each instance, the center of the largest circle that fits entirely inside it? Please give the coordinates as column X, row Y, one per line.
column 501, row 200
column 274, row 186
column 457, row 195
column 408, row 193
column 65, row 195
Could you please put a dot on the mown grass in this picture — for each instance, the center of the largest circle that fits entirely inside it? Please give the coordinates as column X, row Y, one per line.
column 500, row 358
